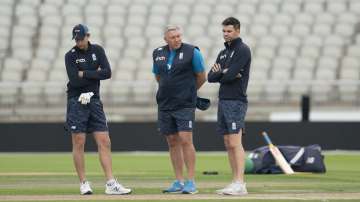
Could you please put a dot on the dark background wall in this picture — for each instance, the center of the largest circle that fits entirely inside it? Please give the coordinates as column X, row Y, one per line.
column 144, row 136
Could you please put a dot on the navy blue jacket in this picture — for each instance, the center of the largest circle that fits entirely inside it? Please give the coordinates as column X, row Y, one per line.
column 88, row 61
column 236, row 57
column 177, row 86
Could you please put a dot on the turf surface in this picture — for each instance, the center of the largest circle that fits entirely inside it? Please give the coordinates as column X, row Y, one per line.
column 40, row 174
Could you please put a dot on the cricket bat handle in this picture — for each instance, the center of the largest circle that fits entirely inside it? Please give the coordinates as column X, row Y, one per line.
column 279, row 158
column 267, row 139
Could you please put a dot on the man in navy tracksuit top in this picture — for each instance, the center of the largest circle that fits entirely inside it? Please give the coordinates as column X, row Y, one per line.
column 87, row 64
column 179, row 70
column 231, row 70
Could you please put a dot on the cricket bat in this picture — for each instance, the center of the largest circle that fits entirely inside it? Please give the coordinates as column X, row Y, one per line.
column 279, row 158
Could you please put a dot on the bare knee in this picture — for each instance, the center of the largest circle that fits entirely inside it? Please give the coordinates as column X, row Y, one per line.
column 186, row 139
column 231, row 145
column 78, row 141
column 172, row 140
column 104, row 144
column 186, row 142
column 102, row 140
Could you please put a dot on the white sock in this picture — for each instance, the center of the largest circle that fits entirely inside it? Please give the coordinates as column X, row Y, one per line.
column 111, row 181
column 238, row 182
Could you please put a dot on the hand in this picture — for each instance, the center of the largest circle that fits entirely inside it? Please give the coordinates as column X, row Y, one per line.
column 216, row 67
column 238, row 76
column 98, row 69
column 81, row 74
column 84, row 98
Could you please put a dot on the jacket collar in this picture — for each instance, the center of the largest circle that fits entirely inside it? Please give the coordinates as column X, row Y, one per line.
column 233, row 43
column 89, row 48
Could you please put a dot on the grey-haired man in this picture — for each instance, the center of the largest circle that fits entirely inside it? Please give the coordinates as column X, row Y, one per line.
column 179, row 70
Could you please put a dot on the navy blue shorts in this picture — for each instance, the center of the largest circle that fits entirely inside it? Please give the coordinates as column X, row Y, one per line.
column 231, row 116
column 85, row 118
column 171, row 122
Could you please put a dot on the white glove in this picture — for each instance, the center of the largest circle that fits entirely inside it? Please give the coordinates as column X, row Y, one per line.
column 84, row 98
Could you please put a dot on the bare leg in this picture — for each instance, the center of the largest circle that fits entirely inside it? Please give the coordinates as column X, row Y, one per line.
column 236, row 155
column 104, row 148
column 230, row 155
column 78, row 144
column 188, row 153
column 176, row 155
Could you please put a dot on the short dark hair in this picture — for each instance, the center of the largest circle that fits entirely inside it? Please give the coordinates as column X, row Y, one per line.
column 232, row 21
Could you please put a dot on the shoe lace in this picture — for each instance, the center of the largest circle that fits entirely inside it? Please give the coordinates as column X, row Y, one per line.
column 177, row 184
column 85, row 183
column 118, row 186
column 189, row 185
column 229, row 186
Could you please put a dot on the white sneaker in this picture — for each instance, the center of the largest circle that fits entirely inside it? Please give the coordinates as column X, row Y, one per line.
column 114, row 187
column 85, row 188
column 235, row 188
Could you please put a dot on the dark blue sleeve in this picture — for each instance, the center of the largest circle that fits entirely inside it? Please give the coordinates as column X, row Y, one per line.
column 214, row 77
column 155, row 69
column 73, row 72
column 241, row 58
column 105, row 70
column 198, row 61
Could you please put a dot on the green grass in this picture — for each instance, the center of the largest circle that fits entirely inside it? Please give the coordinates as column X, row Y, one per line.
column 219, row 200
column 148, row 173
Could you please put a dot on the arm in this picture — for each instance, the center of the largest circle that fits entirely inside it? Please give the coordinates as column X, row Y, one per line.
column 241, row 58
column 104, row 70
column 157, row 77
column 200, row 79
column 198, row 68
column 72, row 72
column 215, row 74
column 155, row 70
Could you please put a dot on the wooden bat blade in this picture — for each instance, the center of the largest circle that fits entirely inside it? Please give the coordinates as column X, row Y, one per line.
column 280, row 160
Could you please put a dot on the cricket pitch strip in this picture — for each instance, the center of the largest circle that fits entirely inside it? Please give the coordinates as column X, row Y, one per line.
column 282, row 196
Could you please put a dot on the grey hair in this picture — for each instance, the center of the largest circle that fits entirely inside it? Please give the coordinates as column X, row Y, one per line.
column 169, row 28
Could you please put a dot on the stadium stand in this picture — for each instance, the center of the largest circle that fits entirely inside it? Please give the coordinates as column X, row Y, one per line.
column 299, row 47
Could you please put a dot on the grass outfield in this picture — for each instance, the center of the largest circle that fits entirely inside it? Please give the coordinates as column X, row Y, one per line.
column 51, row 177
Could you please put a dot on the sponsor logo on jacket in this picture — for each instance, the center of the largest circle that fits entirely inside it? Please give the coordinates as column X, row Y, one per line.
column 80, row 60
column 160, row 58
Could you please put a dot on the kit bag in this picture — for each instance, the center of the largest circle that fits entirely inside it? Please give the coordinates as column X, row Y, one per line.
column 301, row 159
